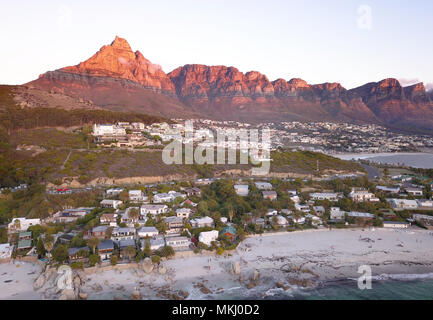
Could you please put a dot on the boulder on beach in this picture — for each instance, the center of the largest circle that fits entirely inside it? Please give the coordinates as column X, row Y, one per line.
column 67, row 294
column 256, row 275
column 40, row 282
column 162, row 270
column 136, row 295
column 83, row 296
column 147, row 265
column 236, row 267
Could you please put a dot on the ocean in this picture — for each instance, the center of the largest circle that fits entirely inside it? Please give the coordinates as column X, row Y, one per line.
column 415, row 160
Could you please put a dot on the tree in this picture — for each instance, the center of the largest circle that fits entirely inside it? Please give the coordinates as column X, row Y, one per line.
column 147, row 251
column 93, row 243
column 3, row 235
column 156, row 259
column 129, row 252
column 113, row 260
column 134, row 214
column 60, row 253
column 94, row 259
column 167, row 251
column 40, row 248
column 48, row 244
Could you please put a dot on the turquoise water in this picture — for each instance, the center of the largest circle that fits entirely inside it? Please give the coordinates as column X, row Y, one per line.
column 381, row 290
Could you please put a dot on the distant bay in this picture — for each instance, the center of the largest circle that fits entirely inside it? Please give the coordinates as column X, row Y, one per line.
column 415, row 160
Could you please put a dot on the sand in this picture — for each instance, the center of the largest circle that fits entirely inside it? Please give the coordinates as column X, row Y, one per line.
column 290, row 261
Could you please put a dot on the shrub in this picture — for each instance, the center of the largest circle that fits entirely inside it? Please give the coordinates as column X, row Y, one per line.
column 93, row 259
column 113, row 260
column 156, row 259
column 76, row 265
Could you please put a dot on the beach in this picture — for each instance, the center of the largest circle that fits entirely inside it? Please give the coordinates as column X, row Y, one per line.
column 264, row 266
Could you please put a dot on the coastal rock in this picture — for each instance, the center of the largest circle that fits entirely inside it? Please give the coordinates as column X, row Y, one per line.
column 256, row 275
column 162, row 270
column 68, row 294
column 83, row 295
column 136, row 295
column 147, row 265
column 236, row 268
column 40, row 282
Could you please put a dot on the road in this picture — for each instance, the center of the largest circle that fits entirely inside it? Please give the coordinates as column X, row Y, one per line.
column 373, row 172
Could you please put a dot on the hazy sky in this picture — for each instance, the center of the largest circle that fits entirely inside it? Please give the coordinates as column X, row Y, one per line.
column 351, row 42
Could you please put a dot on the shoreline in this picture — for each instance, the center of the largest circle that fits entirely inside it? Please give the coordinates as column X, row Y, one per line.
column 269, row 265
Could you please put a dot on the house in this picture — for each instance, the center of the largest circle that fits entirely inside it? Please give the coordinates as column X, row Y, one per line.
column 396, row 224
column 167, row 197
column 25, row 235
column 207, row 237
column 390, row 190
column 78, row 254
column 178, row 243
column 324, row 196
column 337, row 214
column 22, row 224
column 241, row 189
column 136, row 196
column 416, row 192
column 292, row 192
column 260, row 222
column 174, row 225
column 99, row 232
column 202, row 222
column 229, row 232
column 271, row 212
column 361, row 215
column 295, row 199
column 425, row 203
column 281, row 221
column 183, row 213
column 119, row 234
column 109, row 218
column 193, row 192
column 362, row 195
column 263, row 185
column 24, row 244
column 403, row 204
column 150, row 232
column 125, row 243
column 302, row 207
column 189, row 203
column 65, row 238
column 319, row 210
column 113, row 204
column 315, row 220
column 153, row 209
column 297, row 220
column 6, row 252
column 224, row 220
column 113, row 192
column 129, row 218
column 271, row 195
column 105, row 249
column 156, row 242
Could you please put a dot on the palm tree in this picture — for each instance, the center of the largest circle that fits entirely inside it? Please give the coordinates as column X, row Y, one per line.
column 48, row 244
column 93, row 242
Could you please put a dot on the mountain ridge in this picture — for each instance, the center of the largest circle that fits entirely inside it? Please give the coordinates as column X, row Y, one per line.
column 120, row 79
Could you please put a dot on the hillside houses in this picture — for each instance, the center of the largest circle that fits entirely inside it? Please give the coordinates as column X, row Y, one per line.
column 324, row 196
column 153, row 209
column 362, row 195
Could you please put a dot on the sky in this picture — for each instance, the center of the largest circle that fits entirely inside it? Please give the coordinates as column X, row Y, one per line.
column 346, row 41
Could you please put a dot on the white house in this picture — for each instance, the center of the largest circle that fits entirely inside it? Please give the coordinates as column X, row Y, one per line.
column 403, row 203
column 324, row 196
column 178, row 242
column 426, row 203
column 281, row 221
column 136, row 196
column 150, row 232
column 114, row 204
column 362, row 195
column 123, row 234
column 337, row 214
column 113, row 192
column 6, row 251
column 202, row 222
column 263, row 185
column 302, row 207
column 183, row 212
column 207, row 237
column 22, row 224
column 386, row 189
column 417, row 192
column 153, row 209
column 241, row 189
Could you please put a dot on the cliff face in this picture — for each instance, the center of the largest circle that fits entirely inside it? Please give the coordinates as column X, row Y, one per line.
column 119, row 79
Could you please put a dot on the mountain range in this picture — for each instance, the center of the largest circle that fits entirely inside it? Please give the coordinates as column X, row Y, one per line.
column 119, row 79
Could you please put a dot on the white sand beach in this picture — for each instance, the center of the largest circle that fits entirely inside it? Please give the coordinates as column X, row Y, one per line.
column 288, row 261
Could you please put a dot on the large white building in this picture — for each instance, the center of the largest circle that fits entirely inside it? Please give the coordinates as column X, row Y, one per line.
column 153, row 209
column 207, row 237
column 22, row 224
column 108, row 130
